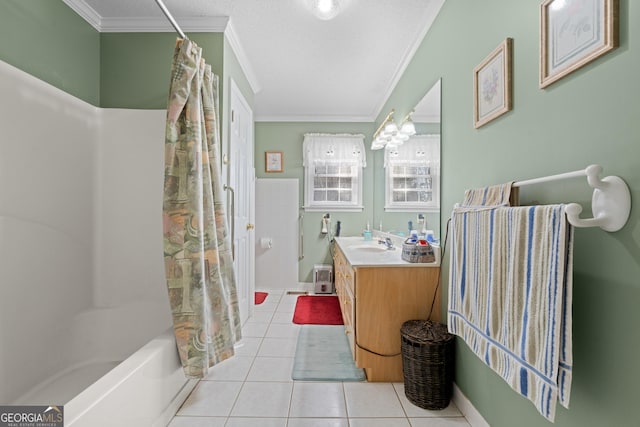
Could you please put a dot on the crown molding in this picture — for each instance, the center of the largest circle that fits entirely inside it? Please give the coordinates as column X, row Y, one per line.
column 315, row 119
column 189, row 24
column 198, row 24
column 85, row 11
column 204, row 24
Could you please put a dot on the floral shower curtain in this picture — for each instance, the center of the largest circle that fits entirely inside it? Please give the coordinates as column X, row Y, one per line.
column 197, row 248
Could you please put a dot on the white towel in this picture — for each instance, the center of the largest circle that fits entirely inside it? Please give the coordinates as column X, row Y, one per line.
column 510, row 294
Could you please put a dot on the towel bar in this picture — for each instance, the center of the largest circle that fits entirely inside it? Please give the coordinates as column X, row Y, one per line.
column 610, row 203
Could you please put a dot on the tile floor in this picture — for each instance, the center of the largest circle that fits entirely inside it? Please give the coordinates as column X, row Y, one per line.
column 255, row 389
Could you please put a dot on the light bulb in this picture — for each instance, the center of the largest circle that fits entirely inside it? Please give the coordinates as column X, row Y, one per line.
column 408, row 128
column 325, row 9
column 391, row 128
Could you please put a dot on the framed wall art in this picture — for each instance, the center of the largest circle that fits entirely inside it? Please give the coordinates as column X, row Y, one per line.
column 492, row 83
column 273, row 161
column 574, row 33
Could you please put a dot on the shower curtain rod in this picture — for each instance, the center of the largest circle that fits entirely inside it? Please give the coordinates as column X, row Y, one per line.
column 170, row 18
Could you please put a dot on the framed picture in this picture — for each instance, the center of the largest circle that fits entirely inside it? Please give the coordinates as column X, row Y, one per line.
column 492, row 85
column 273, row 161
column 574, row 33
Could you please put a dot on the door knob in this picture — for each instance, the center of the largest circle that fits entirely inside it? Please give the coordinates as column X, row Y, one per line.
column 250, row 226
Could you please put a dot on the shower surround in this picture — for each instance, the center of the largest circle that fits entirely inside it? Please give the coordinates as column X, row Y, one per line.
column 81, row 252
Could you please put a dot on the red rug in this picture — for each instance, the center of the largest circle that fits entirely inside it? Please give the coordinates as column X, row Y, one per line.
column 318, row 310
column 260, row 297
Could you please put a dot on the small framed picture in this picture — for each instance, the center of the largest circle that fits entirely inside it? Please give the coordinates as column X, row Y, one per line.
column 492, row 85
column 574, row 33
column 273, row 161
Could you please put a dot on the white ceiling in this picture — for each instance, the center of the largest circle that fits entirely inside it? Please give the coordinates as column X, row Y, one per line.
column 301, row 68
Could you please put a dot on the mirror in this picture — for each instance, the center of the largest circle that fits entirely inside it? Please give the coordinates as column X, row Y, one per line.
column 426, row 117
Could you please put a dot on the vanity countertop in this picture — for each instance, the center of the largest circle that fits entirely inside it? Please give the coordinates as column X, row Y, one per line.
column 363, row 253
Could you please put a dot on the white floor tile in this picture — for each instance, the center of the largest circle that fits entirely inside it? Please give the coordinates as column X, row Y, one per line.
column 256, row 422
column 278, row 330
column 198, row 422
column 318, row 422
column 254, row 388
column 211, row 398
column 372, row 400
column 415, row 411
column 439, row 422
column 266, row 306
column 271, row 369
column 262, row 316
column 287, row 303
column 278, row 347
column 233, row 369
column 378, row 422
column 263, row 399
column 282, row 317
column 248, row 346
column 254, row 329
column 317, row 400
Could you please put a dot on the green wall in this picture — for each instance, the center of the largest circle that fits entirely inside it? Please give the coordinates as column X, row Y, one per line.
column 588, row 117
column 287, row 137
column 51, row 42
column 136, row 67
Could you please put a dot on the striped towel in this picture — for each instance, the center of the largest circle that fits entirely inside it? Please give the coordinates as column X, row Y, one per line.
column 510, row 295
column 495, row 195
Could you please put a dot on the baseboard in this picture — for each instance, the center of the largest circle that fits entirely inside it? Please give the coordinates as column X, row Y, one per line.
column 306, row 286
column 468, row 410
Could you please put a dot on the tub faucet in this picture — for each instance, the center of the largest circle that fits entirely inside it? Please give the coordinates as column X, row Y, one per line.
column 387, row 242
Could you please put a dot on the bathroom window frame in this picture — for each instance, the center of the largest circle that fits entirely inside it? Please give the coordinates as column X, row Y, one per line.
column 428, row 167
column 345, row 163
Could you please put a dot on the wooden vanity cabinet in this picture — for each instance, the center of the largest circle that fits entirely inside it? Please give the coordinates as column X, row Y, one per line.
column 375, row 302
column 345, row 285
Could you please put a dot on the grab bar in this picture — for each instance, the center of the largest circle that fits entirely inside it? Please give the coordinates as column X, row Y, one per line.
column 300, row 237
column 233, row 219
column 610, row 203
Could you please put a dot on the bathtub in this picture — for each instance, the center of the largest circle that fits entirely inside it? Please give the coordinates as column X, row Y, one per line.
column 118, row 379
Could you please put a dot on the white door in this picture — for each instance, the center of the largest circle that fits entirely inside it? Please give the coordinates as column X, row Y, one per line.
column 242, row 181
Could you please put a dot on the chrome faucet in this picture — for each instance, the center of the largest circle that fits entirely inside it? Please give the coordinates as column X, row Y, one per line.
column 387, row 242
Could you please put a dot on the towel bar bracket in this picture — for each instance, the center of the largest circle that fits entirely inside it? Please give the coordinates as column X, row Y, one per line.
column 610, row 204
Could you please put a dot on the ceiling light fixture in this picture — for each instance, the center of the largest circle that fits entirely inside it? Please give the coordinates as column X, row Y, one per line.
column 325, row 9
column 389, row 135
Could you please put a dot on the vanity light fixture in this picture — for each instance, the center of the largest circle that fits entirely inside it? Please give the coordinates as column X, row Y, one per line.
column 390, row 135
column 408, row 127
column 325, row 9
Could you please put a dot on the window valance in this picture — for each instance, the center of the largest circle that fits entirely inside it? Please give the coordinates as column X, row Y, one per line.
column 419, row 149
column 331, row 148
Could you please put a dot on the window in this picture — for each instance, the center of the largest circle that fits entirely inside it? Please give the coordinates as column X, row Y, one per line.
column 333, row 171
column 412, row 175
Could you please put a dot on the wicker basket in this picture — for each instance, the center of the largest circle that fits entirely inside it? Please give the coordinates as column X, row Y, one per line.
column 417, row 253
column 427, row 363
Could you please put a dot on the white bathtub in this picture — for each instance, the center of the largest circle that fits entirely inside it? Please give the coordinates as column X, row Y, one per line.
column 112, row 380
column 77, row 234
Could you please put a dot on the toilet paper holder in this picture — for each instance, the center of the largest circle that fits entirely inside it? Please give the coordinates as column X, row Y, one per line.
column 266, row 243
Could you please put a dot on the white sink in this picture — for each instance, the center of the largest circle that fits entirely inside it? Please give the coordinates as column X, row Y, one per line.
column 369, row 248
column 370, row 253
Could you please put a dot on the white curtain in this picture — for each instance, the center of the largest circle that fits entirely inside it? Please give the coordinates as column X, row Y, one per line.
column 418, row 150
column 344, row 148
